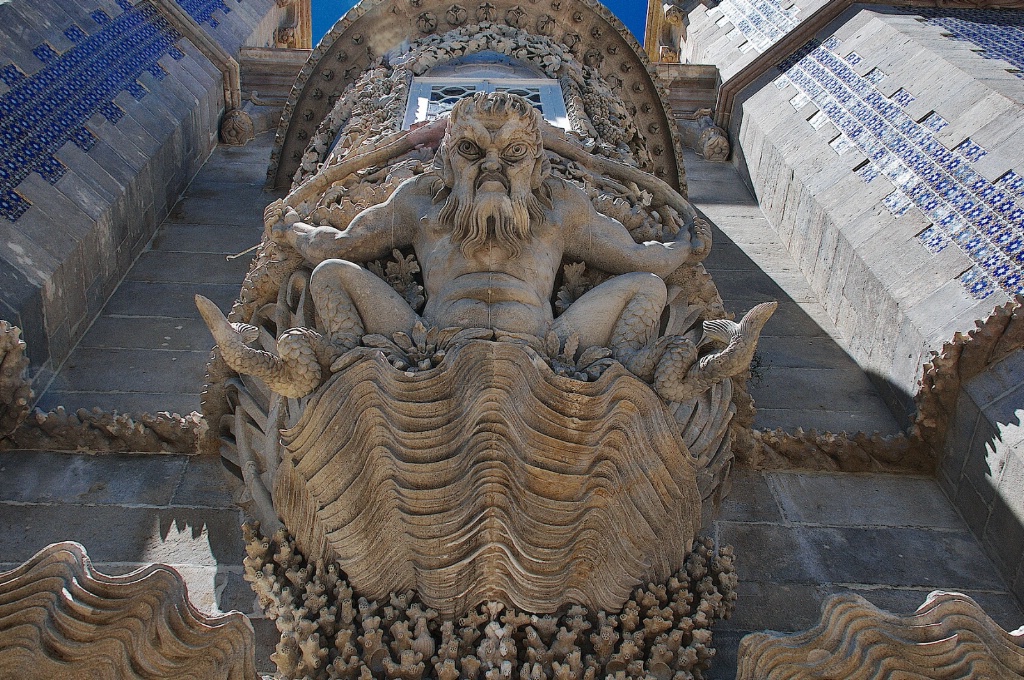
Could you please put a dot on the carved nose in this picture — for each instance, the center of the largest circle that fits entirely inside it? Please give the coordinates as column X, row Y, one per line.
column 490, row 164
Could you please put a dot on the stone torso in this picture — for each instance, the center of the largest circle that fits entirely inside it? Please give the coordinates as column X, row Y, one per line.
column 487, row 288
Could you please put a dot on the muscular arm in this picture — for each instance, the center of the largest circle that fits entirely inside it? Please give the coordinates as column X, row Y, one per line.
column 606, row 244
column 373, row 233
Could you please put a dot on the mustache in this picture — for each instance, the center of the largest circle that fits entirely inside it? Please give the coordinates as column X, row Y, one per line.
column 485, row 177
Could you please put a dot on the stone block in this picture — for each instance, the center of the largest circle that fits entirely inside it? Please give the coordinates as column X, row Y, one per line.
column 726, row 643
column 985, row 460
column 147, row 333
column 874, row 419
column 122, row 402
column 959, row 437
column 972, row 506
column 868, row 500
column 140, row 298
column 159, row 266
column 783, row 553
column 750, row 499
column 63, row 478
column 814, row 389
column 902, row 557
column 999, row 381
column 132, row 370
column 1004, row 535
column 206, row 483
column 783, row 607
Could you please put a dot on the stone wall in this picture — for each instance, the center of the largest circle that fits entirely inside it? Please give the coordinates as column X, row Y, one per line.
column 887, row 154
column 106, row 112
column 731, row 33
column 982, row 468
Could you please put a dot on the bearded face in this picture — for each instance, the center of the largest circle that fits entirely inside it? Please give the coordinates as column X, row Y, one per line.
column 492, row 167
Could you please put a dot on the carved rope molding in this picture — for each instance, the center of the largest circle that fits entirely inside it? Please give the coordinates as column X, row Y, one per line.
column 210, row 48
column 809, row 28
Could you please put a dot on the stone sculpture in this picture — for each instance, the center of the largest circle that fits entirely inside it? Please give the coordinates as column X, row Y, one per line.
column 15, row 389
column 949, row 636
column 22, row 427
column 479, row 361
column 489, row 227
column 489, row 238
column 59, row 618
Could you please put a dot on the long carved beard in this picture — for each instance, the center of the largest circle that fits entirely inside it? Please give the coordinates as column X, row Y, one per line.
column 491, row 216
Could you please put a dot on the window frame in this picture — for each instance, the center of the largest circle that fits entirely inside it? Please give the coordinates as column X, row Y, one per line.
column 550, row 91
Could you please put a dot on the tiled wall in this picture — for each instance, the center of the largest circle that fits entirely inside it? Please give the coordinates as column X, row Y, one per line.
column 42, row 112
column 983, row 218
column 762, row 22
column 732, row 33
column 106, row 112
column 203, row 10
column 999, row 33
column 888, row 157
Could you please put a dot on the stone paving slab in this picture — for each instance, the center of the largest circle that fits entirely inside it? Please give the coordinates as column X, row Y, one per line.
column 188, row 268
column 205, row 238
column 122, row 402
column 863, row 500
column 171, row 371
column 154, row 332
column 143, row 298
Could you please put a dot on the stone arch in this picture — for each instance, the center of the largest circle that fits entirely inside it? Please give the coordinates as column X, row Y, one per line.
column 376, row 28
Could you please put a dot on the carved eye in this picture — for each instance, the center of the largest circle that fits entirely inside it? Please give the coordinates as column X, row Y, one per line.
column 514, row 152
column 468, row 149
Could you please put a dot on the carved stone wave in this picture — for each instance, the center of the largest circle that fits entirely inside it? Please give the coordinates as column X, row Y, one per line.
column 59, row 618
column 543, row 490
column 949, row 636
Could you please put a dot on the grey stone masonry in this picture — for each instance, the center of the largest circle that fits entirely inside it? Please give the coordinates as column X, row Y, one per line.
column 889, row 229
column 800, row 538
column 106, row 113
column 802, row 376
column 732, row 33
column 982, row 466
column 147, row 349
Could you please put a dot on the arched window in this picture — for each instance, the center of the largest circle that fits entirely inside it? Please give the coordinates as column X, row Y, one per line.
column 437, row 92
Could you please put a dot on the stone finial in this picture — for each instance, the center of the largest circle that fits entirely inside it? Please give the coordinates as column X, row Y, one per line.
column 237, row 128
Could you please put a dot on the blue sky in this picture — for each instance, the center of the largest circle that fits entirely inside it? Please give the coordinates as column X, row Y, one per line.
column 633, row 13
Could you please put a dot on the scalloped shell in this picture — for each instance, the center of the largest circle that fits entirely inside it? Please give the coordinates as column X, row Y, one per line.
column 490, row 478
column 59, row 618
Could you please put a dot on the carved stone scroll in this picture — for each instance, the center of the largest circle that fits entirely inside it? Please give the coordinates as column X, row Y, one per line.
column 59, row 618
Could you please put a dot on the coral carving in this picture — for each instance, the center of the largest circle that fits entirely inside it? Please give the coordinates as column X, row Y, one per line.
column 663, row 631
column 964, row 357
column 59, row 618
column 15, row 389
column 105, row 431
column 949, row 636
